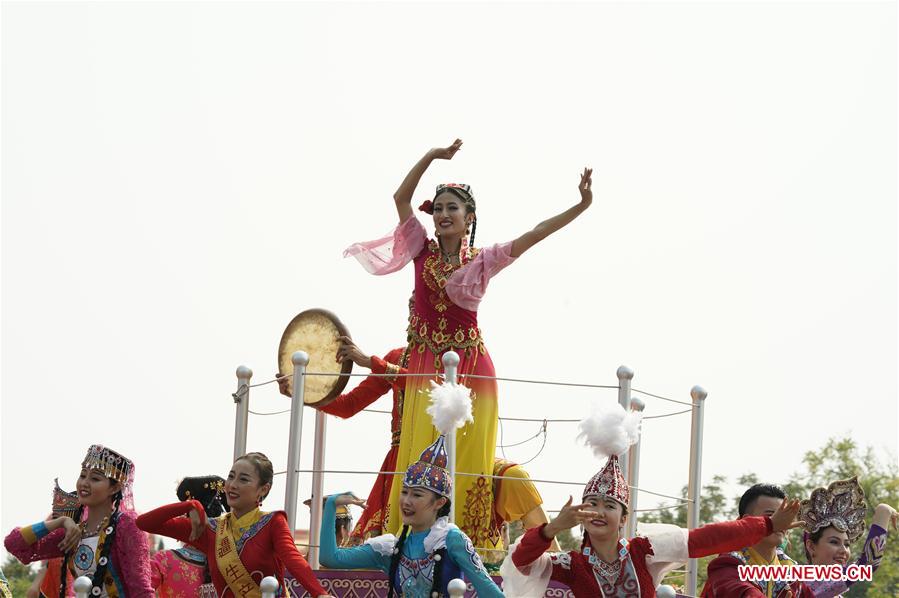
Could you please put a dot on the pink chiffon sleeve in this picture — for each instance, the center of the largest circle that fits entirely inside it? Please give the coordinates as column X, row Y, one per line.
column 389, row 254
column 466, row 287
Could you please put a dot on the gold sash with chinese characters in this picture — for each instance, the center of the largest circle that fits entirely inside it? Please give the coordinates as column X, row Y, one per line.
column 230, row 566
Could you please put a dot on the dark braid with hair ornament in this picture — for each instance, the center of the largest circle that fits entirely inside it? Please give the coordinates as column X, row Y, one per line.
column 439, row 559
column 107, row 538
column 395, row 561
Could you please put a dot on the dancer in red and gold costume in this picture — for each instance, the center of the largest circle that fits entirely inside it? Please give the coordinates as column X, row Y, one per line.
column 242, row 546
column 513, row 500
column 451, row 278
column 609, row 565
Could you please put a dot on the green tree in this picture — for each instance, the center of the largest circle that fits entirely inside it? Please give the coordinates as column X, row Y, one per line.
column 20, row 576
column 839, row 458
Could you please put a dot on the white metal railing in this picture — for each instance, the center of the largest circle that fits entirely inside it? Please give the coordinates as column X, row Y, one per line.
column 630, row 462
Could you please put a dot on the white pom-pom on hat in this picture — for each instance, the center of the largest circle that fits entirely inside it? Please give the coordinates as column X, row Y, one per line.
column 610, row 430
column 450, row 406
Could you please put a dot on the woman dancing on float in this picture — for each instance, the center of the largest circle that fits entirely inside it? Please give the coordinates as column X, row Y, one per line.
column 451, row 277
column 101, row 541
column 608, row 564
column 243, row 545
column 430, row 551
column 834, row 518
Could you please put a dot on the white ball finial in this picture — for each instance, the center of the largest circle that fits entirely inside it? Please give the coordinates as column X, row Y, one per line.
column 698, row 393
column 637, row 404
column 456, row 588
column 665, row 591
column 625, row 373
column 83, row 585
column 450, row 359
column 300, row 358
column 269, row 586
column 244, row 372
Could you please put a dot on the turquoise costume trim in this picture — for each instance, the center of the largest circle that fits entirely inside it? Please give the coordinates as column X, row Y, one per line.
column 415, row 573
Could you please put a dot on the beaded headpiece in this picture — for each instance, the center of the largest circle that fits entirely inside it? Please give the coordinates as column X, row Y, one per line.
column 841, row 505
column 64, row 503
column 112, row 464
column 609, row 432
column 609, row 482
column 460, row 190
column 208, row 490
column 430, row 471
column 450, row 409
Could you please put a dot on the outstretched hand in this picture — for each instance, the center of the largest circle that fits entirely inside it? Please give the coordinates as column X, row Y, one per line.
column 349, row 499
column 570, row 516
column 585, row 187
column 446, row 153
column 784, row 518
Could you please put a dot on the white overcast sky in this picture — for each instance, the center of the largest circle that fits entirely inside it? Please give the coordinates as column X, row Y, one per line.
column 179, row 181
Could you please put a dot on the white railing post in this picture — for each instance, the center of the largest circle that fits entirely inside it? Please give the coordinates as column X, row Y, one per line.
column 450, row 368
column 633, row 473
column 269, row 587
column 625, row 375
column 698, row 394
column 456, row 588
column 318, row 476
column 83, row 586
column 300, row 360
column 242, row 401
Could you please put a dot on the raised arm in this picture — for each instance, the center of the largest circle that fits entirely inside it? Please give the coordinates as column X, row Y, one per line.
column 403, row 195
column 169, row 521
column 358, row 557
column 548, row 227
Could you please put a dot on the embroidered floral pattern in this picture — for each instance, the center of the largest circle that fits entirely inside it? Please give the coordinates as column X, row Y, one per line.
column 477, row 518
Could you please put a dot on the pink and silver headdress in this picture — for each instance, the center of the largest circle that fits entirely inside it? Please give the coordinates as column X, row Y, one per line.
column 114, row 466
column 841, row 505
column 450, row 409
column 609, row 432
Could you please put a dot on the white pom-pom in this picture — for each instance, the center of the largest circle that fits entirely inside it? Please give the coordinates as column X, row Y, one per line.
column 450, row 406
column 610, row 430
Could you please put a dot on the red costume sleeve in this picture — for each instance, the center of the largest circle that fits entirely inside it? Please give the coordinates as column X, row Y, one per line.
column 369, row 390
column 287, row 552
column 727, row 536
column 533, row 544
column 724, row 581
column 168, row 521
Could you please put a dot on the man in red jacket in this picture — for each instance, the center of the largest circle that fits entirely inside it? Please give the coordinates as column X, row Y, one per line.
column 723, row 572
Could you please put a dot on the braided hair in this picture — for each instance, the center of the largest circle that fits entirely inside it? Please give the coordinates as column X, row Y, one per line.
column 439, row 559
column 99, row 577
column 395, row 561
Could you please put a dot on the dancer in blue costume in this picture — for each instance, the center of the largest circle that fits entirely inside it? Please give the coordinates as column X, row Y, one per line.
column 430, row 551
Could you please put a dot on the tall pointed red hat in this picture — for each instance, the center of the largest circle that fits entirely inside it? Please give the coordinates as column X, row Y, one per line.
column 610, row 431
